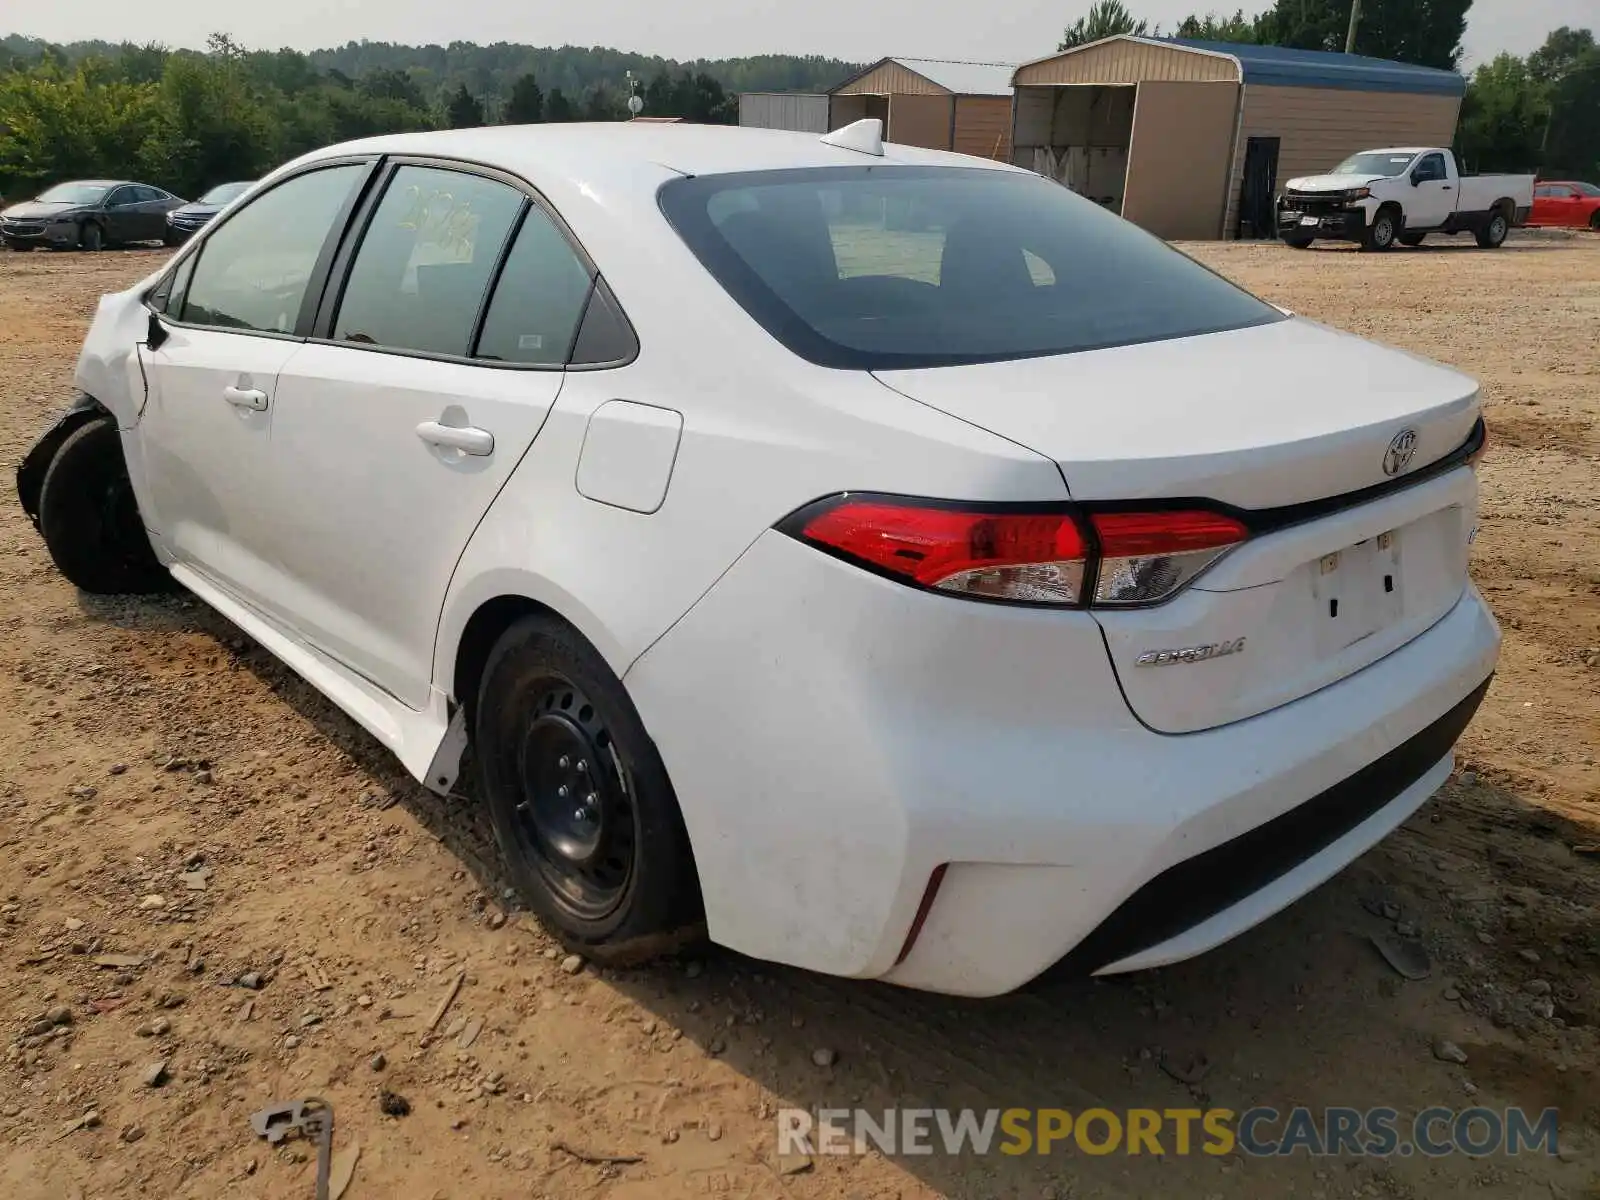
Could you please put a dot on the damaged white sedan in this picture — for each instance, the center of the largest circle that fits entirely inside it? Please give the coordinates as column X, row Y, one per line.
column 883, row 560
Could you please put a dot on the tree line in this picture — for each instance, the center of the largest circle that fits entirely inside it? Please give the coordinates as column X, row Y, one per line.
column 187, row 119
column 1536, row 114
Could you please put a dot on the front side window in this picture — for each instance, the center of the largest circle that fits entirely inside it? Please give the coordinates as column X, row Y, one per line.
column 420, row 276
column 533, row 316
column 1431, row 168
column 254, row 269
column 896, row 267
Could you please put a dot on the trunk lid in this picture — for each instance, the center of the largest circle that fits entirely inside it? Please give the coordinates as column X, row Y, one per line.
column 1261, row 418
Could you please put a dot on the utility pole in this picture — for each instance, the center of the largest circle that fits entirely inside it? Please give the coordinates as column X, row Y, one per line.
column 1355, row 19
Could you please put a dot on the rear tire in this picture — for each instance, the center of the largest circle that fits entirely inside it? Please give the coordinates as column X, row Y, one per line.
column 90, row 519
column 1298, row 243
column 579, row 798
column 91, row 237
column 1493, row 235
column 1381, row 234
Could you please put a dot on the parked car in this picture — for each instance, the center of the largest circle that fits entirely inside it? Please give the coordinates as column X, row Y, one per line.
column 1562, row 203
column 1402, row 194
column 183, row 222
column 88, row 214
column 899, row 629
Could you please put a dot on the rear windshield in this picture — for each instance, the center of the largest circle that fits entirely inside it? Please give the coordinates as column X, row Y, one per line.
column 885, row 267
column 223, row 193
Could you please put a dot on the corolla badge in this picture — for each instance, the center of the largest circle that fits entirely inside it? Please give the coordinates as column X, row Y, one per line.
column 1400, row 453
column 1190, row 654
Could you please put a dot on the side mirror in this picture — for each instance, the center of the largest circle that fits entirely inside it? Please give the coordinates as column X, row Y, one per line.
column 156, row 332
column 1416, row 180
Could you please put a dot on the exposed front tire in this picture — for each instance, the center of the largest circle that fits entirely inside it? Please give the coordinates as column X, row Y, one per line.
column 90, row 519
column 580, row 800
column 1297, row 242
column 1383, row 231
column 91, row 237
column 1493, row 235
column 1594, row 220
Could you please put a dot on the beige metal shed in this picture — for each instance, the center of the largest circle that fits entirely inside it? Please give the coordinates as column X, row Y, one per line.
column 938, row 104
column 1192, row 139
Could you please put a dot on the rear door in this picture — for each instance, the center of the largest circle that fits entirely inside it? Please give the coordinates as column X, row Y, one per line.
column 396, row 426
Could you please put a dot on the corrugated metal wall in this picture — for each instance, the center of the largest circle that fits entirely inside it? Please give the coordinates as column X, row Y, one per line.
column 800, row 111
column 1319, row 127
column 983, row 127
column 1178, row 157
column 1128, row 62
column 890, row 79
column 919, row 120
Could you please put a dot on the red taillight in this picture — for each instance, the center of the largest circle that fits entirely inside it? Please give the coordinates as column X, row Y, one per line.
column 1148, row 556
column 1021, row 556
column 1038, row 557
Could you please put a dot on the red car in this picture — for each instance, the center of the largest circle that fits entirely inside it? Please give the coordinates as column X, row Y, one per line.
column 1558, row 202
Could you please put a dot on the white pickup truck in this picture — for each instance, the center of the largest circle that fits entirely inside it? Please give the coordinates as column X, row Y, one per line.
column 1380, row 197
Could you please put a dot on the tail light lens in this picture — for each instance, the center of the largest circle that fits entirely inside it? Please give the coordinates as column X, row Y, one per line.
column 1067, row 558
column 1145, row 557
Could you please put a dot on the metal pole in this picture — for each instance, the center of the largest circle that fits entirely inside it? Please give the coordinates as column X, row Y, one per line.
column 1355, row 19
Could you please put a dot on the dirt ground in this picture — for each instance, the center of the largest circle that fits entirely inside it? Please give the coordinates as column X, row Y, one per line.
column 173, row 798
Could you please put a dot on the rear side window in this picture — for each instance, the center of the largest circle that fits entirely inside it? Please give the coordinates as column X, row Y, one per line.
column 896, row 267
column 423, row 269
column 539, row 298
column 253, row 270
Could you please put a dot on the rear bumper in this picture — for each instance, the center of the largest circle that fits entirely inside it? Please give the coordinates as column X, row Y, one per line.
column 834, row 738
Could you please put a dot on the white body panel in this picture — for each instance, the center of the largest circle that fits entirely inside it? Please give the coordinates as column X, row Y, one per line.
column 832, row 736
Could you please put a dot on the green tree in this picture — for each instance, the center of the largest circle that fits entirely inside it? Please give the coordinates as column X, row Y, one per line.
column 1105, row 18
column 56, row 125
column 602, row 104
column 558, row 108
column 1503, row 116
column 463, row 110
column 1214, row 27
column 1425, row 32
column 526, row 105
column 1567, row 66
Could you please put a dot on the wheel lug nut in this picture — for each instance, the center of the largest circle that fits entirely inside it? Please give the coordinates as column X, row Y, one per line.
column 565, row 762
column 583, row 766
column 581, row 814
column 591, row 800
column 563, row 791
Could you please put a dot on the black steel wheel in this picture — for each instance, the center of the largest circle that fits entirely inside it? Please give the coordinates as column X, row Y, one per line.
column 580, row 801
column 89, row 516
column 1493, row 235
column 91, row 237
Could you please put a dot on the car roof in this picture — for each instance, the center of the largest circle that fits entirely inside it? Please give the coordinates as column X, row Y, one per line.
column 619, row 150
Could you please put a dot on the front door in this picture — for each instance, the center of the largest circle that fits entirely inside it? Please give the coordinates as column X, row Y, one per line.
column 394, row 432
column 1433, row 194
column 231, row 315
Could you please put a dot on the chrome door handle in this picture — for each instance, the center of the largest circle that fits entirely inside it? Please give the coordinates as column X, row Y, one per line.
column 251, row 398
column 477, row 442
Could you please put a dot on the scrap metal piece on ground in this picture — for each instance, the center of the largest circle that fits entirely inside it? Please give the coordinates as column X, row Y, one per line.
column 311, row 1117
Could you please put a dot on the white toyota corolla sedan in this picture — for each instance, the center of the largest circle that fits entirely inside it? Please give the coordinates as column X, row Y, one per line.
column 883, row 560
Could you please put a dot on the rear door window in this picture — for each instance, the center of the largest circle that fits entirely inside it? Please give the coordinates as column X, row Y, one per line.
column 422, row 272
column 898, row 267
column 539, row 299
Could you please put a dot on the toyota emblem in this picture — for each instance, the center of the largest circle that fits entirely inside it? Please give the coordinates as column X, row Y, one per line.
column 1400, row 453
